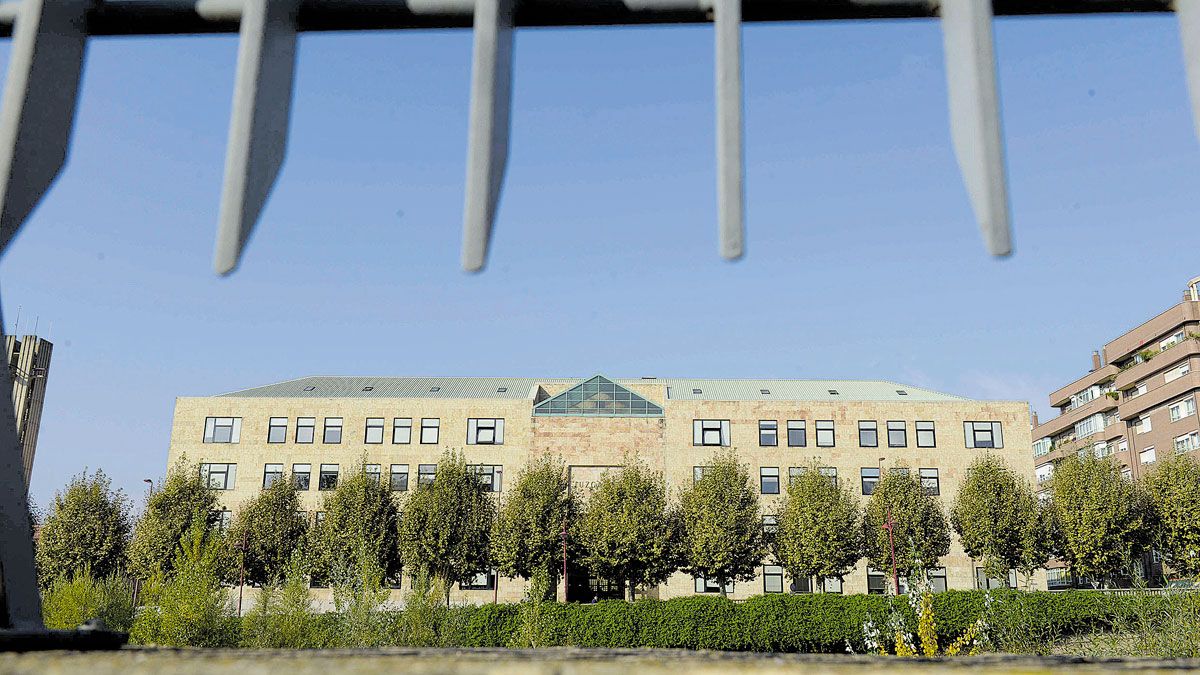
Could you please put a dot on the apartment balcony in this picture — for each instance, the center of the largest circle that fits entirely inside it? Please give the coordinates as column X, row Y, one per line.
column 1063, row 396
column 1159, row 362
column 1144, row 336
column 1068, row 419
column 1153, row 398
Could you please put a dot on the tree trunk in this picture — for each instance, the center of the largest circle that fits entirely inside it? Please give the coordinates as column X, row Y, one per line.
column 821, row 584
column 721, row 581
column 631, row 586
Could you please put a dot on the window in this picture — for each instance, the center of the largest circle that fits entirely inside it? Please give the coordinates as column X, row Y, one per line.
column 333, row 430
column 305, row 429
column 1136, row 391
column 937, row 579
column 430, row 426
column 825, row 436
column 1085, row 396
column 301, row 476
column 605, row 589
column 1142, row 425
column 900, row 471
column 318, row 517
column 768, row 433
column 795, row 434
column 402, row 430
column 327, row 479
column 772, row 579
column 484, row 581
column 1043, row 473
column 271, row 473
column 926, row 438
column 277, row 430
column 984, row 434
column 833, row 585
column 829, row 472
column 1042, row 446
column 398, row 482
column 374, row 432
column 897, row 435
column 1174, row 373
column 485, row 431
column 706, row 586
column 768, row 480
column 698, row 473
column 224, row 518
column 1127, row 473
column 1171, row 341
column 1184, row 408
column 222, row 429
column 868, row 434
column 870, row 478
column 801, row 585
column 795, row 472
column 710, row 432
column 1147, row 456
column 1187, row 442
column 770, row 524
column 488, row 475
column 983, row 582
column 218, row 476
column 877, row 583
column 373, row 471
column 929, row 482
column 1089, row 425
column 426, row 473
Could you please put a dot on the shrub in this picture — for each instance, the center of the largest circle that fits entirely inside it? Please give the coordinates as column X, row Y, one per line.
column 283, row 616
column 68, row 603
column 359, row 599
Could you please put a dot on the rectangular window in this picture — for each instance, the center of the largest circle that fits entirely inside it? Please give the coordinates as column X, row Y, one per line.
column 877, row 583
column 768, row 480
column 1187, row 442
column 897, row 435
column 402, row 430
column 327, row 479
column 1171, row 341
column 983, row 434
column 833, row 585
column 705, row 586
column 1136, row 391
column 222, row 429
column 426, row 473
column 768, row 433
column 770, row 524
column 484, row 581
column 218, row 476
column 710, row 432
column 373, row 471
column 698, row 473
column 829, row 472
column 870, row 478
column 489, row 476
column 430, row 426
column 772, row 579
column 1043, row 472
column 937, row 579
column 1182, row 409
column 374, row 433
column 277, row 430
column 930, row 483
column 983, row 582
column 271, row 473
column 926, row 438
column 333, row 430
column 301, row 476
column 1177, row 372
column 796, row 434
column 801, row 585
column 1147, row 456
column 305, row 429
column 485, row 431
column 1041, row 447
column 224, row 519
column 795, row 472
column 868, row 434
column 1142, row 425
column 825, row 437
column 1089, row 425
column 398, row 481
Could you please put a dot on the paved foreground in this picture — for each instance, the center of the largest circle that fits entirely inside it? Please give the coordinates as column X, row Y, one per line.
column 558, row 661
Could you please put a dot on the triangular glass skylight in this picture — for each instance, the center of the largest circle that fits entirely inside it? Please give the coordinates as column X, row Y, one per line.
column 597, row 397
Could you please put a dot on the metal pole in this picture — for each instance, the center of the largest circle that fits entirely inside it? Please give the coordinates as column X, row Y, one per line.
column 564, row 543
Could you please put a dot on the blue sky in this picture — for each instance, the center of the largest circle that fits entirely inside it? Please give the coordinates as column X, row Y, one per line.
column 863, row 260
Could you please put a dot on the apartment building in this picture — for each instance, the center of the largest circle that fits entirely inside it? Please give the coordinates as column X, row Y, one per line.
column 1137, row 404
column 314, row 430
column 28, row 359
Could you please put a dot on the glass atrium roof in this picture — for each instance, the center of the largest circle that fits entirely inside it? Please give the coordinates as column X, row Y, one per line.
column 597, row 397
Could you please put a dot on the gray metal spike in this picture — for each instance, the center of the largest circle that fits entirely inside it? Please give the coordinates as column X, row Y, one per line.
column 258, row 125
column 38, row 108
column 975, row 116
column 727, row 19
column 1188, row 13
column 487, row 136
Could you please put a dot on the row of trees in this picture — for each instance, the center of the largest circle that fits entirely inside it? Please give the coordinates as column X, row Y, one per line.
column 631, row 531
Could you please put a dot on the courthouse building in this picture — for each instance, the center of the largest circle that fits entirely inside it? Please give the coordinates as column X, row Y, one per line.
column 313, row 430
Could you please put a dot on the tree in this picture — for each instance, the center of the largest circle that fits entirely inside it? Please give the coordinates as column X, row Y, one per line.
column 1101, row 516
column 181, row 499
column 360, row 520
column 87, row 529
column 269, row 527
column 627, row 531
column 996, row 516
column 447, row 524
column 819, row 529
column 1174, row 489
column 919, row 526
column 721, row 534
column 527, row 537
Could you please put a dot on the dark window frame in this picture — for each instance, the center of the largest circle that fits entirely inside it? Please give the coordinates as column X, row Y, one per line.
column 802, row 430
column 307, row 477
column 328, row 480
column 278, row 475
column 328, row 428
column 832, row 430
column 873, row 480
column 873, row 429
column 272, row 426
column 932, row 431
column 311, row 426
column 936, row 478
column 902, row 430
column 768, row 433
column 368, row 426
column 392, row 476
column 763, row 477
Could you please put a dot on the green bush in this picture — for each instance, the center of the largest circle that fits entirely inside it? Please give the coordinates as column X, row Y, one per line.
column 68, row 603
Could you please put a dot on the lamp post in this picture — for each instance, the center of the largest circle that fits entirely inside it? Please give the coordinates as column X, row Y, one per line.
column 564, row 545
column 889, row 525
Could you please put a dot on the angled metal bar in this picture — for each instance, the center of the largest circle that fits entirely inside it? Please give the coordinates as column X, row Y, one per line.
column 975, row 116
column 727, row 20
column 258, row 126
column 487, row 135
column 1188, row 13
column 38, row 108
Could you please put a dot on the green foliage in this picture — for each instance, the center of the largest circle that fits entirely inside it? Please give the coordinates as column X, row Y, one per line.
column 67, row 603
column 359, row 597
column 627, row 530
column 527, row 537
column 189, row 608
column 996, row 516
column 181, row 499
column 283, row 617
column 922, row 535
column 360, row 518
column 87, row 528
column 1174, row 490
column 447, row 524
column 1103, row 520
column 819, row 528
column 269, row 528
column 424, row 614
column 721, row 534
